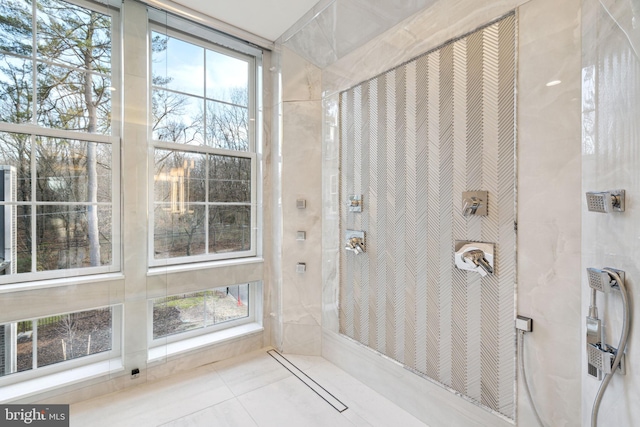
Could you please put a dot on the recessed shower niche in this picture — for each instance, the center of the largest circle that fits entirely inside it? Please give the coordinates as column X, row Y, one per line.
column 412, row 141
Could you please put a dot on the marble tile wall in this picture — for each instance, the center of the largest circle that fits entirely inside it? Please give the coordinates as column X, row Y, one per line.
column 334, row 28
column 300, row 299
column 610, row 160
column 549, row 238
column 549, row 195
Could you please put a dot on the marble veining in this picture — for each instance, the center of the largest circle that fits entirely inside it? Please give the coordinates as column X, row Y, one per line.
column 342, row 26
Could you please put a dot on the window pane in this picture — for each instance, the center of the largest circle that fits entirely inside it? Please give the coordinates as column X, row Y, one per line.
column 181, row 313
column 177, row 65
column 74, row 335
column 73, row 171
column 15, row 150
column 227, row 303
column 227, row 78
column 16, row 337
column 16, row 89
column 73, row 236
column 178, row 233
column 229, row 228
column 24, row 240
column 177, row 118
column 227, row 126
column 73, row 35
column 196, row 310
column 62, row 103
column 16, row 27
column 179, row 178
column 229, row 179
column 24, row 337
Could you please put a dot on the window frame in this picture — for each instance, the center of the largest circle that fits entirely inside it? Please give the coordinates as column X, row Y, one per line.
column 34, row 130
column 253, row 87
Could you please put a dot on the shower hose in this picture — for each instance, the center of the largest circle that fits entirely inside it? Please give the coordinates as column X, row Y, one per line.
column 523, row 377
column 622, row 344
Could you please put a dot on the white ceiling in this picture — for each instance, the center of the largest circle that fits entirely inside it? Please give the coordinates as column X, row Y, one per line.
column 265, row 18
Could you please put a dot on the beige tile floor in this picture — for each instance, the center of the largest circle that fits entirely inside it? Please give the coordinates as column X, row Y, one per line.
column 251, row 390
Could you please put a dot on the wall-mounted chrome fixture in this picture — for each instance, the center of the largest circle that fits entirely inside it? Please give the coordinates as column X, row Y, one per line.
column 475, row 203
column 355, row 241
column 601, row 280
column 301, row 204
column 301, row 267
column 601, row 356
column 301, row 235
column 474, row 256
column 355, row 203
column 605, row 201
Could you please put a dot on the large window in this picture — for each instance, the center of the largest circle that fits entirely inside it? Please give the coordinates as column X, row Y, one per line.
column 204, row 166
column 58, row 198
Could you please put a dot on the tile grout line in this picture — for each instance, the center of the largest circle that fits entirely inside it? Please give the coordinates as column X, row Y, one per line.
column 200, row 410
column 289, row 366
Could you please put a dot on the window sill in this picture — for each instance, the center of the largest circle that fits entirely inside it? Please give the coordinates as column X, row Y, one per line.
column 176, row 348
column 21, row 390
column 65, row 281
column 177, row 268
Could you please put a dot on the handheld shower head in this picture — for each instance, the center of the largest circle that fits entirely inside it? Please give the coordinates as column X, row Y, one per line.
column 605, row 201
column 599, row 280
column 602, row 281
column 601, row 358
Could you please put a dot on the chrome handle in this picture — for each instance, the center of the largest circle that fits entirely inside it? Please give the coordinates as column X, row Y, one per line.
column 354, row 203
column 476, row 257
column 470, row 206
column 355, row 245
column 484, row 264
column 474, row 203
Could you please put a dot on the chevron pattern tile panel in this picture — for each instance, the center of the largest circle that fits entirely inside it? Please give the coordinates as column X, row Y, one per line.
column 412, row 140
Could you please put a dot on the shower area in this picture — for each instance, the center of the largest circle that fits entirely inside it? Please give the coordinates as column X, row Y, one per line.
column 440, row 133
column 413, row 140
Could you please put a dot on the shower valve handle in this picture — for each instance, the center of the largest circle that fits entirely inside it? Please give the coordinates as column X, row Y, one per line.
column 470, row 206
column 476, row 257
column 355, row 245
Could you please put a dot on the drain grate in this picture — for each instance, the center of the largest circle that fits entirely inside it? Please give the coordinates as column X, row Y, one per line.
column 309, row 382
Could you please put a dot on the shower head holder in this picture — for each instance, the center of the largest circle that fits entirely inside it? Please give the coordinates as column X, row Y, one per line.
column 606, row 201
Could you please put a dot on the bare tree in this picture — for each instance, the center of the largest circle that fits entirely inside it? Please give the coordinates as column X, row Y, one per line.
column 228, row 124
column 67, row 327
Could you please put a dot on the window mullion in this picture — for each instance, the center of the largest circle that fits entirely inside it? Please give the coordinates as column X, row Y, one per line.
column 34, row 343
column 204, row 96
column 32, row 205
column 207, row 169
